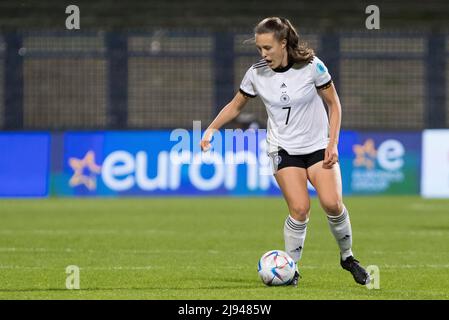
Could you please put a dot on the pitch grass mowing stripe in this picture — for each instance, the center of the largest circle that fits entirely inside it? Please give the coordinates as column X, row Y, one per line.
column 155, row 267
column 208, row 248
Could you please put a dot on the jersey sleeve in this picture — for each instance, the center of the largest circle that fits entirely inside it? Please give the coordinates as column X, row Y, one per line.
column 320, row 74
column 247, row 85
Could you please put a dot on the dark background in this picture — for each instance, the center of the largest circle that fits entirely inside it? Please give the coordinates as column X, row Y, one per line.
column 163, row 64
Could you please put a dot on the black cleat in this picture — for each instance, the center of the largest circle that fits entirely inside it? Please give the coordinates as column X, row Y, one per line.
column 358, row 272
column 294, row 281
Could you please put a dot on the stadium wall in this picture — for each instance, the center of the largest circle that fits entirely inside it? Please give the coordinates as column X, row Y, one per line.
column 148, row 163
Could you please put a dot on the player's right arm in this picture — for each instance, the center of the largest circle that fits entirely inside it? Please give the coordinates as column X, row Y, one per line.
column 228, row 113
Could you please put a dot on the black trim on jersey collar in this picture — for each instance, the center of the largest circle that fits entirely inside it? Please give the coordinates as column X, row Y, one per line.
column 283, row 69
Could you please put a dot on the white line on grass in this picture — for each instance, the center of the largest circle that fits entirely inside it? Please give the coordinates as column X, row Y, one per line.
column 420, row 206
column 112, row 232
column 130, row 251
column 83, row 231
column 327, row 267
column 187, row 251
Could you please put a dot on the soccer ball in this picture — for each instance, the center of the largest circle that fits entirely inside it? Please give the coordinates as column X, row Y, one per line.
column 276, row 268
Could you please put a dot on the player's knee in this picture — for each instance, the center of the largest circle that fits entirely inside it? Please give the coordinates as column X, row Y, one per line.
column 299, row 212
column 333, row 207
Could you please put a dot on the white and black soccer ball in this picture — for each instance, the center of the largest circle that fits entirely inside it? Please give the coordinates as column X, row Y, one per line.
column 276, row 268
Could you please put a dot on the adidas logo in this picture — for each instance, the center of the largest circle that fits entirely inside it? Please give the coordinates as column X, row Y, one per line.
column 346, row 237
column 283, row 85
column 298, row 249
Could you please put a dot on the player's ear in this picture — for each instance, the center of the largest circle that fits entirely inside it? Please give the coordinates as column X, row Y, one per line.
column 284, row 43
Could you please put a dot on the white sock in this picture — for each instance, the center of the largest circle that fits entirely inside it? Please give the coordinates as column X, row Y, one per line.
column 294, row 236
column 341, row 229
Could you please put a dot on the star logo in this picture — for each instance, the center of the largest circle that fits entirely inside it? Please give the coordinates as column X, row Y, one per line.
column 365, row 155
column 85, row 171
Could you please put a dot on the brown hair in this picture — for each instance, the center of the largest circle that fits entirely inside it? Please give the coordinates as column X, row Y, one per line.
column 298, row 52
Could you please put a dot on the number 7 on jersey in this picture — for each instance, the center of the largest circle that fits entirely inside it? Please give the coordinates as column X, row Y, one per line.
column 288, row 113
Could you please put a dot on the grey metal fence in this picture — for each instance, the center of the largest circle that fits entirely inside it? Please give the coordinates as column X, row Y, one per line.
column 166, row 79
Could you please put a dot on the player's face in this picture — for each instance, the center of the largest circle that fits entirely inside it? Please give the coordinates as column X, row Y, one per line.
column 272, row 50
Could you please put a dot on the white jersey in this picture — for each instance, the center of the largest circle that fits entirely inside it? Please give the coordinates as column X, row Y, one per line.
column 297, row 118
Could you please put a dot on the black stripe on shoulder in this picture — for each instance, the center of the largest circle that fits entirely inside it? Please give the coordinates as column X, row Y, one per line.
column 260, row 66
column 246, row 94
column 311, row 60
column 325, row 86
column 261, row 63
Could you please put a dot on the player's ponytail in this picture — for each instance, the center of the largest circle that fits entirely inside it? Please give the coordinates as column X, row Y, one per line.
column 298, row 52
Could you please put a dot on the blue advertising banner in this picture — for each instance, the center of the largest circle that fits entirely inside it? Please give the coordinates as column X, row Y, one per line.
column 163, row 163
column 381, row 163
column 24, row 164
column 155, row 163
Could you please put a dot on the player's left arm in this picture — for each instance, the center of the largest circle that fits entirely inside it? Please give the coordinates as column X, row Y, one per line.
column 330, row 97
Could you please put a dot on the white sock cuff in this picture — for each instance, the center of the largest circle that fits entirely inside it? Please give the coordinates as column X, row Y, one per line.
column 296, row 225
column 297, row 221
column 346, row 254
column 340, row 218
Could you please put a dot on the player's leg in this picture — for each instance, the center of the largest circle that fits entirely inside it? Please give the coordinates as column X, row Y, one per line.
column 327, row 182
column 293, row 183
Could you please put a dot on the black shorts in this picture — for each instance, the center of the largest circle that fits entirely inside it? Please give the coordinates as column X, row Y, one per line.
column 282, row 159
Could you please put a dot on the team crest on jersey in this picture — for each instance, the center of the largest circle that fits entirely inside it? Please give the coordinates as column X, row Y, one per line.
column 285, row 98
column 277, row 159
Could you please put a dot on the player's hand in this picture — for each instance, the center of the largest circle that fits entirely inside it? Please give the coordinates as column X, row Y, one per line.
column 205, row 141
column 330, row 156
column 205, row 145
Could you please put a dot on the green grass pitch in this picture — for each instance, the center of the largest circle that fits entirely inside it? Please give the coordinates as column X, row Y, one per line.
column 208, row 248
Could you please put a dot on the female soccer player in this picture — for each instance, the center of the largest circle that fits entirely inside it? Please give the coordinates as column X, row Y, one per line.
column 302, row 141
